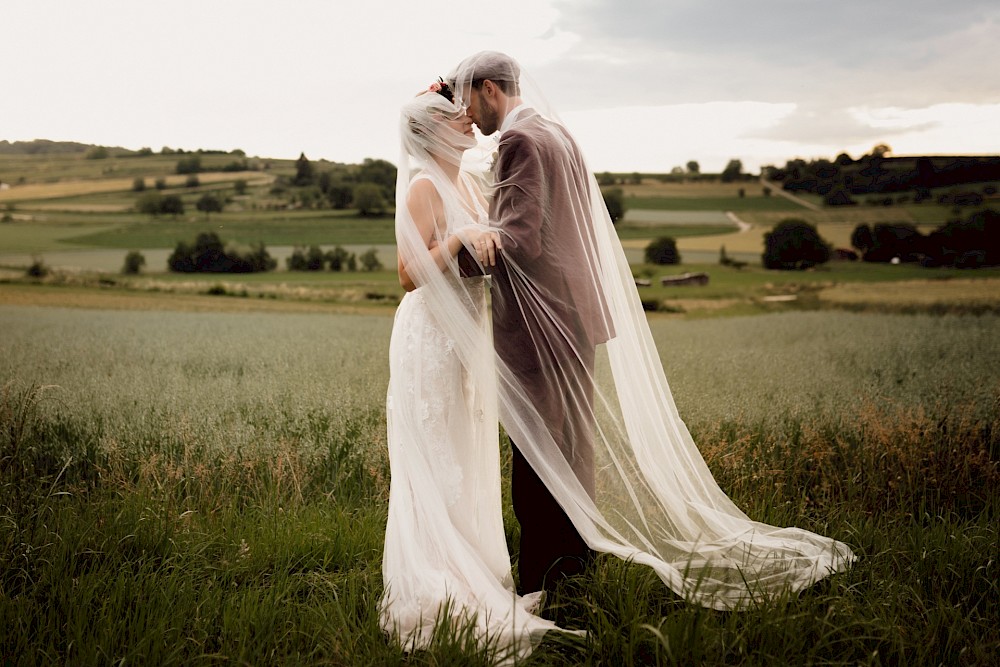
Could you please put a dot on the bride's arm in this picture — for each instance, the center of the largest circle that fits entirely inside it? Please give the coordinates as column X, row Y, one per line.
column 425, row 207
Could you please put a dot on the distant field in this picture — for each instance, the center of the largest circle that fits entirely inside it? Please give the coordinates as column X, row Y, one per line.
column 676, row 230
column 923, row 295
column 712, row 203
column 50, row 168
column 75, row 188
column 34, row 238
column 313, row 227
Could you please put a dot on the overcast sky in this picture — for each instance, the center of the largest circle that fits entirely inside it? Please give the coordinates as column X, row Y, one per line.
column 645, row 85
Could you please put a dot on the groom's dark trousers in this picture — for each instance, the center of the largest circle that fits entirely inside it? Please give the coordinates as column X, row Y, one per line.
column 550, row 546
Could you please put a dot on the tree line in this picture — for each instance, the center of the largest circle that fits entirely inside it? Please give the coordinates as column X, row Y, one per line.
column 889, row 180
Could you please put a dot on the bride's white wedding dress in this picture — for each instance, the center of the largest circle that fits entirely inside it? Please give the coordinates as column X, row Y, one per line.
column 445, row 554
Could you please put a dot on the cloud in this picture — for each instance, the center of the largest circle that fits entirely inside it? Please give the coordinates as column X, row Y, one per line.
column 909, row 53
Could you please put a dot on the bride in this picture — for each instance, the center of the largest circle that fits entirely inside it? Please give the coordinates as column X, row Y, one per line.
column 445, row 556
column 646, row 494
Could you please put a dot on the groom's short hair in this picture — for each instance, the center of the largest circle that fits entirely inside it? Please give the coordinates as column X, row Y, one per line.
column 493, row 66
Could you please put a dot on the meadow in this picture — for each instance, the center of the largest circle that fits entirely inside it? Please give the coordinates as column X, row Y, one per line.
column 193, row 467
column 205, row 488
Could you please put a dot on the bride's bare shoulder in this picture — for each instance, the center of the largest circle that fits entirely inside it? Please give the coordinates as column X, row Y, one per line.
column 423, row 198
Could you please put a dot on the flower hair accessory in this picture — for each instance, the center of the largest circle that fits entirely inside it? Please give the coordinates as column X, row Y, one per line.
column 442, row 88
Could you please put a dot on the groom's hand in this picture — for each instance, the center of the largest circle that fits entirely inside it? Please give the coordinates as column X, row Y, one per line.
column 487, row 246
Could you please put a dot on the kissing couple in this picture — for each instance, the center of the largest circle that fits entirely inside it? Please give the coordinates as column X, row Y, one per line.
column 521, row 310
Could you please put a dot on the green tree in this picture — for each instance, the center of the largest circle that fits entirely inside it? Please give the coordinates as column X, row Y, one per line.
column 733, row 170
column 614, row 199
column 663, row 251
column 304, row 174
column 794, row 244
column 337, row 258
column 38, row 268
column 369, row 260
column 149, row 203
column 306, row 259
column 340, row 195
column 380, row 172
column 172, row 205
column 240, row 186
column 209, row 203
column 160, row 183
column 368, row 199
column 605, row 178
column 192, row 181
column 862, row 238
column 138, row 184
column 188, row 165
column 134, row 261
column 693, row 167
column 97, row 153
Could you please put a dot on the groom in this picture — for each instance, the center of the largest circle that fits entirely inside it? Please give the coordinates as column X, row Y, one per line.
column 546, row 323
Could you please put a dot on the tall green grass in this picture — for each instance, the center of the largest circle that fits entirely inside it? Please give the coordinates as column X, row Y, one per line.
column 206, row 489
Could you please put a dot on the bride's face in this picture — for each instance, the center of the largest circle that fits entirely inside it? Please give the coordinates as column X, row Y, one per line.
column 459, row 132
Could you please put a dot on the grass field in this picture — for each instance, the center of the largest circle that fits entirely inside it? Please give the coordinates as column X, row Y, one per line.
column 208, row 488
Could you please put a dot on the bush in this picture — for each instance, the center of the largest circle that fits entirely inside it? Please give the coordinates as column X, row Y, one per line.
column 368, row 199
column 209, row 255
column 153, row 203
column 340, row 195
column 369, row 260
column 892, row 240
column 663, row 251
column 240, row 186
column 189, row 165
column 134, row 261
column 139, row 184
column 160, row 183
column 149, row 203
column 172, row 205
column 614, row 199
column 209, row 203
column 794, row 244
column 968, row 243
column 337, row 258
column 301, row 259
column 192, row 181
column 37, row 269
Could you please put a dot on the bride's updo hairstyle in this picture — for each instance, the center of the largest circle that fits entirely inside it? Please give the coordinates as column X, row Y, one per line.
column 429, row 126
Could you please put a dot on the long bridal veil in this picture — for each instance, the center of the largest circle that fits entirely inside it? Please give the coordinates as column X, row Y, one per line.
column 582, row 392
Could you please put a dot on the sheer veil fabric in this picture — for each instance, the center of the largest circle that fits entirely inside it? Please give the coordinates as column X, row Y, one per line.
column 445, row 557
column 572, row 375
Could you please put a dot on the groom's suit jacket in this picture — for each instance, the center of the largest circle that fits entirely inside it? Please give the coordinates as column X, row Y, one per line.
column 547, row 310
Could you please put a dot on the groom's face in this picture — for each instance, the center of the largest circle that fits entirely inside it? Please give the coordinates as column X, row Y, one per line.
column 483, row 110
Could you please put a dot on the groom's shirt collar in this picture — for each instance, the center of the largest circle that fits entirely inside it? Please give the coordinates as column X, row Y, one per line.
column 511, row 117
